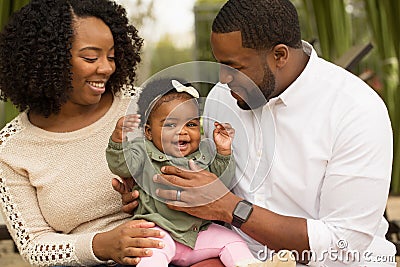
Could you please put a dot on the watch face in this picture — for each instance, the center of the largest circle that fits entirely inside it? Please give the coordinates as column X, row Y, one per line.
column 242, row 210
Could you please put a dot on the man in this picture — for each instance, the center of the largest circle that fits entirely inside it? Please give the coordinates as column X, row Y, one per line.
column 323, row 192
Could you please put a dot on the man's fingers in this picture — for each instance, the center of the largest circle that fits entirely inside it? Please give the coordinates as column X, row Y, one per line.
column 170, row 180
column 171, row 198
column 129, row 183
column 193, row 166
column 130, row 207
column 179, row 206
column 184, row 173
column 123, row 187
column 129, row 197
column 118, row 186
column 170, row 194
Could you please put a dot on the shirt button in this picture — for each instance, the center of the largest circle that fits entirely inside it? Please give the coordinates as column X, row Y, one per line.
column 259, row 153
column 195, row 228
column 160, row 157
column 203, row 157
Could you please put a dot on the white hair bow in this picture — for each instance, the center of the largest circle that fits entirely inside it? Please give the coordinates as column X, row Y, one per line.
column 188, row 89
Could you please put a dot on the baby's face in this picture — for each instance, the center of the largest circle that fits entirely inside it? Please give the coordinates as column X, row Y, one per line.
column 174, row 127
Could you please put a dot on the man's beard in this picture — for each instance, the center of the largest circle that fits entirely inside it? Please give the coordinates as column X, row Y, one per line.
column 264, row 92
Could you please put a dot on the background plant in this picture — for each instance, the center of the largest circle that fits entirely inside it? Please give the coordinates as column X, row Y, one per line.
column 333, row 26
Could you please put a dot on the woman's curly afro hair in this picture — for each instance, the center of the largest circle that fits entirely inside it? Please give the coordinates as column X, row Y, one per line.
column 35, row 69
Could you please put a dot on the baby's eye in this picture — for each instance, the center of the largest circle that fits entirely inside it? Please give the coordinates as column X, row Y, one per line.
column 191, row 124
column 170, row 125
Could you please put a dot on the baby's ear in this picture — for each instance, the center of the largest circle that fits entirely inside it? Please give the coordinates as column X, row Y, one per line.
column 147, row 132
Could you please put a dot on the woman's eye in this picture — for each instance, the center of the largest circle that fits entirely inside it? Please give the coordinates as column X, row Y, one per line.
column 111, row 58
column 90, row 59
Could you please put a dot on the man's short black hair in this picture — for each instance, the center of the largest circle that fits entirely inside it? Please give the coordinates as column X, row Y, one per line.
column 263, row 23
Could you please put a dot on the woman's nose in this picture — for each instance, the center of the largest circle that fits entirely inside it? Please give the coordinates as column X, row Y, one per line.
column 106, row 67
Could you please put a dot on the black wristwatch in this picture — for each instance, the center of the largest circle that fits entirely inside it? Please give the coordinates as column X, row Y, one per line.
column 241, row 213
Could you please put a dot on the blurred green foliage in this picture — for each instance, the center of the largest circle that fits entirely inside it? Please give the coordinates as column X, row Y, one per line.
column 335, row 27
column 166, row 54
column 7, row 7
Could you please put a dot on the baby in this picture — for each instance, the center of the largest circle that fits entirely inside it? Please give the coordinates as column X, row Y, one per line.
column 172, row 137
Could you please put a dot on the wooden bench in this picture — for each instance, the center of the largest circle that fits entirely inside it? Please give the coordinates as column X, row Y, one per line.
column 5, row 235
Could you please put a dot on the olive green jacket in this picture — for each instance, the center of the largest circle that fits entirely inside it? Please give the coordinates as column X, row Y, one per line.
column 140, row 159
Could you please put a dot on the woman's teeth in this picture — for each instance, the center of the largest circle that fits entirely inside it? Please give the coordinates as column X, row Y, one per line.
column 97, row 84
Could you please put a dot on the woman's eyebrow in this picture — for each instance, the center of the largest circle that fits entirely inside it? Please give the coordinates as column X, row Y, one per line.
column 93, row 48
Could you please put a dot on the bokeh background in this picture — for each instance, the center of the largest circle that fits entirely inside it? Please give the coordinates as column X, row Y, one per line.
column 360, row 35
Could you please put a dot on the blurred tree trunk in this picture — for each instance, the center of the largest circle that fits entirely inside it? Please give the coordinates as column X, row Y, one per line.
column 7, row 7
column 204, row 14
column 384, row 19
column 333, row 25
column 335, row 30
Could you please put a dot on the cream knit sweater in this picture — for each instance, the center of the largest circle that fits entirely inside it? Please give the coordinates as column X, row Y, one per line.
column 55, row 188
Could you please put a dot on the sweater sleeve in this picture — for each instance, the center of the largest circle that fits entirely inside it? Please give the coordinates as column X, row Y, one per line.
column 126, row 160
column 38, row 243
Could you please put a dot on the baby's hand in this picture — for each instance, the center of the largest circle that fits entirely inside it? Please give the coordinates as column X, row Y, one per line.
column 223, row 135
column 125, row 125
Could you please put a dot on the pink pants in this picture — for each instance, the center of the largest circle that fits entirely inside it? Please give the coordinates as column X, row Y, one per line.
column 216, row 241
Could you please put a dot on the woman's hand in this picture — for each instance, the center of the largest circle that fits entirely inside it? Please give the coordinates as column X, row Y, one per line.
column 128, row 242
column 125, row 125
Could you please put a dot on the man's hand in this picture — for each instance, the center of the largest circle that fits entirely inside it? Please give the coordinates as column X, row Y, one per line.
column 202, row 194
column 223, row 135
column 129, row 201
column 125, row 125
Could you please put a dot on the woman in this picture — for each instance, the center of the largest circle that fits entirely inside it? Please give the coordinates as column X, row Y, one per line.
column 63, row 64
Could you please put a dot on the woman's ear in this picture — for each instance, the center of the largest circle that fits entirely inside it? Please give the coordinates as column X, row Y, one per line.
column 281, row 55
column 147, row 132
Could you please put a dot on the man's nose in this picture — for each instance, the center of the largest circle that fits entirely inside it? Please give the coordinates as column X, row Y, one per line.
column 225, row 74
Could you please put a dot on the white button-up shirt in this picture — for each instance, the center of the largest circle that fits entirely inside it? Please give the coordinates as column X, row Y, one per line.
column 322, row 150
